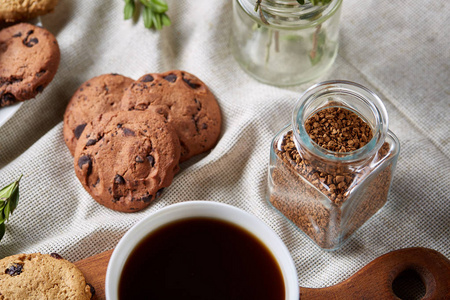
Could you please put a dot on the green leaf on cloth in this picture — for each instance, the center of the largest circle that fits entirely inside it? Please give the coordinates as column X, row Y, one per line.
column 9, row 198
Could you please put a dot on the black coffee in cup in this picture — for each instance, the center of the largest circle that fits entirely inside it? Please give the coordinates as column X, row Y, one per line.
column 201, row 258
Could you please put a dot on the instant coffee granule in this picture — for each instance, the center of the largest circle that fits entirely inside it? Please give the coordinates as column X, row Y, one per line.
column 338, row 129
column 326, row 200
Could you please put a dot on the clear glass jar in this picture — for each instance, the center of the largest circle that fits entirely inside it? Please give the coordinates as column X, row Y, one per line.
column 304, row 178
column 285, row 43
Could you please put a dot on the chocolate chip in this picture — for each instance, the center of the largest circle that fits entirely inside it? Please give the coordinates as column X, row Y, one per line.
column 159, row 192
column 39, row 88
column 91, row 142
column 119, row 179
column 199, row 104
column 204, row 126
column 147, row 78
column 151, row 160
column 79, row 130
column 139, row 159
column 171, row 78
column 147, row 198
column 191, row 84
column 128, row 132
column 195, row 122
column 119, row 125
column 30, row 42
column 7, row 99
column 97, row 182
column 106, row 88
column 83, row 161
column 91, row 288
column 14, row 270
column 56, row 255
column 19, row 34
column 40, row 73
column 116, row 198
column 11, row 80
column 114, row 74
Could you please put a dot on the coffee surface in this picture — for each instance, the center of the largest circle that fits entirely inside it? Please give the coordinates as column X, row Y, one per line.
column 201, row 258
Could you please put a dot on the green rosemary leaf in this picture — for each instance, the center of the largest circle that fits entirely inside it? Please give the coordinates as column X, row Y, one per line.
column 301, row 2
column 9, row 198
column 157, row 21
column 155, row 7
column 165, row 20
column 6, row 191
column 146, row 3
column 14, row 200
column 128, row 10
column 2, row 216
column 7, row 211
column 160, row 6
column 153, row 12
column 148, row 17
column 2, row 230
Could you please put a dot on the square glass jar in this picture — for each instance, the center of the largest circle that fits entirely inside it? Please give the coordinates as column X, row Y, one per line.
column 329, row 195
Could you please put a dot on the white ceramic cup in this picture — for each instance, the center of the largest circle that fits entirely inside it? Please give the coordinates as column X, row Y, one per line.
column 207, row 209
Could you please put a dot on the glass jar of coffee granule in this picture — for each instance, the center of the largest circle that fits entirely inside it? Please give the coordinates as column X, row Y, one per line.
column 330, row 169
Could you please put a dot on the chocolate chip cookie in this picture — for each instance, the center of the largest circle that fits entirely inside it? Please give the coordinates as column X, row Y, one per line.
column 185, row 102
column 124, row 159
column 29, row 59
column 98, row 95
column 41, row 276
column 16, row 10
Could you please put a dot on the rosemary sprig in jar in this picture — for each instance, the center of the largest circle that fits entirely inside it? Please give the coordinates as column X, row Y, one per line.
column 9, row 198
column 318, row 38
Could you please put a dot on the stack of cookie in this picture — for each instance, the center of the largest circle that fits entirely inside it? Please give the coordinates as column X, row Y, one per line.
column 127, row 136
column 29, row 59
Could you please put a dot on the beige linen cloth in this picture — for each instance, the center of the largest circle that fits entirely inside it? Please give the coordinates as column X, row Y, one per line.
column 400, row 49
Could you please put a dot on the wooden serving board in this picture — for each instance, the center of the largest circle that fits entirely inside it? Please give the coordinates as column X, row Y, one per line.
column 374, row 281
column 94, row 270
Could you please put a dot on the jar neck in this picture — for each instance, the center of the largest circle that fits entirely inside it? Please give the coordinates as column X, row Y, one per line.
column 344, row 94
column 289, row 13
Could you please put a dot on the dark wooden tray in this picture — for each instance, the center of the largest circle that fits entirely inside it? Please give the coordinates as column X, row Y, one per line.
column 374, row 281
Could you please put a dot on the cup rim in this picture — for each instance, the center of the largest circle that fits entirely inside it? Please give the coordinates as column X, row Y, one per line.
column 189, row 209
